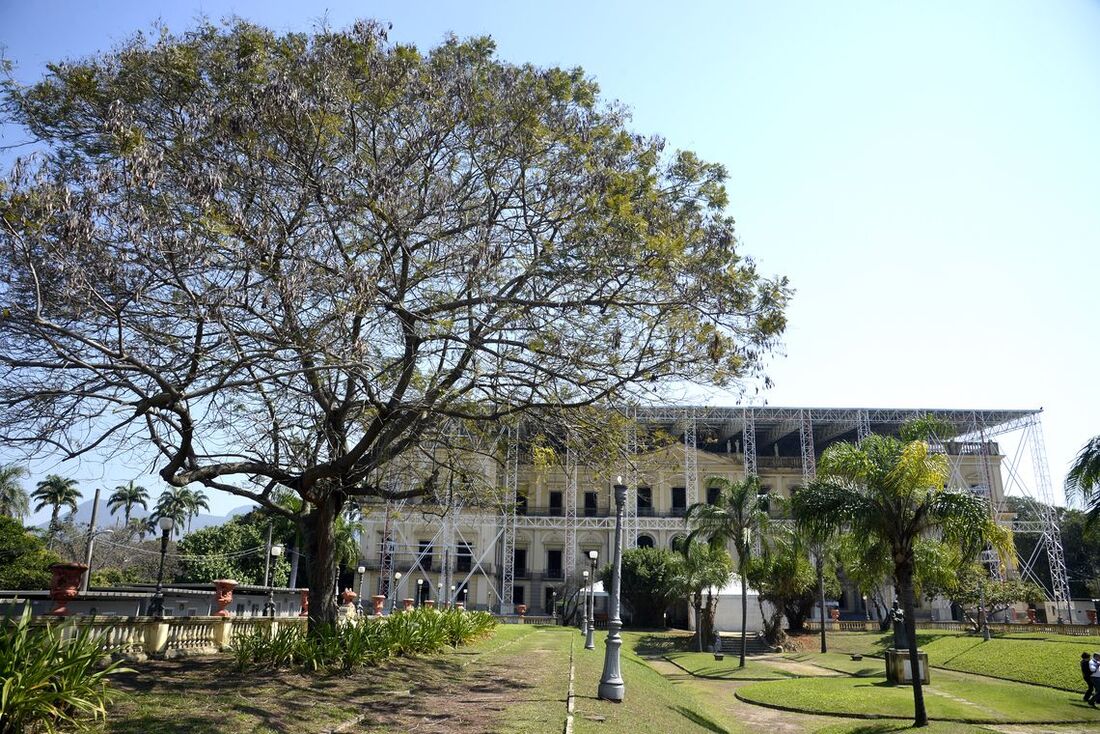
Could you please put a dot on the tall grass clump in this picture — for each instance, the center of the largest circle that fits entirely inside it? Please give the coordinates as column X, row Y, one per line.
column 362, row 642
column 51, row 676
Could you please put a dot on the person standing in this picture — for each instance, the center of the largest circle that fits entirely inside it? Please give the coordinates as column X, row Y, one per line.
column 1094, row 678
column 1086, row 672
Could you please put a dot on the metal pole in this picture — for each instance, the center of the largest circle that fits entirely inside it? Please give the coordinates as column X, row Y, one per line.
column 156, row 607
column 91, row 543
column 611, row 682
column 584, row 604
column 267, row 556
column 589, row 644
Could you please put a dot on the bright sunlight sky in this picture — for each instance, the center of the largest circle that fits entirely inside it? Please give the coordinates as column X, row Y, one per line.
column 927, row 174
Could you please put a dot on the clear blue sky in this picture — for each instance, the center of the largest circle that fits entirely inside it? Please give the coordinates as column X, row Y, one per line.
column 927, row 174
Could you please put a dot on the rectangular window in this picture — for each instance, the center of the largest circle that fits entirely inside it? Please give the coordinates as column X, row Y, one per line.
column 712, row 495
column 521, row 504
column 517, row 595
column 679, row 500
column 591, row 504
column 464, row 557
column 553, row 564
column 548, row 600
column 424, row 551
column 519, row 562
column 555, row 504
column 645, row 501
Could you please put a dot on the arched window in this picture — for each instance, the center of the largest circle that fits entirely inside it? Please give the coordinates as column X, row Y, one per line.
column 645, row 541
column 676, row 543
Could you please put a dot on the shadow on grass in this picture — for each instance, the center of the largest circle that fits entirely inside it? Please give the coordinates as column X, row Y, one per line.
column 201, row 695
column 657, row 644
column 699, row 720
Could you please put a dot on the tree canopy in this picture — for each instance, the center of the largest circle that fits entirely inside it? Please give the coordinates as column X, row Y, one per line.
column 24, row 559
column 328, row 262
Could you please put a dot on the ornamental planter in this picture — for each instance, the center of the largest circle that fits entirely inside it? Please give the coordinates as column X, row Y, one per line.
column 223, row 596
column 65, row 585
column 521, row 609
column 348, row 597
column 1091, row 613
column 429, row 603
column 408, row 604
column 379, row 603
column 305, row 604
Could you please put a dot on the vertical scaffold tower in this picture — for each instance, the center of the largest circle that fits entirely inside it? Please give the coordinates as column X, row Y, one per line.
column 508, row 520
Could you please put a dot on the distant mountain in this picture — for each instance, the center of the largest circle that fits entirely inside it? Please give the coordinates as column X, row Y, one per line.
column 83, row 515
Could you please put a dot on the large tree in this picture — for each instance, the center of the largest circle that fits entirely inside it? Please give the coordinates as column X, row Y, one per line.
column 893, row 491
column 1083, row 477
column 738, row 515
column 703, row 570
column 330, row 263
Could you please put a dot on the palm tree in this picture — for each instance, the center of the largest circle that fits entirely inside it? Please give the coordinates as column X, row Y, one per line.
column 173, row 503
column 703, row 567
column 893, row 491
column 126, row 497
column 56, row 491
column 1084, row 476
column 741, row 511
column 14, row 501
column 194, row 501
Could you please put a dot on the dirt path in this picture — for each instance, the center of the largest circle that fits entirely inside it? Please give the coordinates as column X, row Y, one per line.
column 473, row 702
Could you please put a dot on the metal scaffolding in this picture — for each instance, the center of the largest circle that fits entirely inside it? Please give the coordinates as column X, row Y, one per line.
column 765, row 436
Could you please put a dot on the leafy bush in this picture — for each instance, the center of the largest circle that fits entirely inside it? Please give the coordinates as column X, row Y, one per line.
column 24, row 559
column 52, row 675
column 360, row 643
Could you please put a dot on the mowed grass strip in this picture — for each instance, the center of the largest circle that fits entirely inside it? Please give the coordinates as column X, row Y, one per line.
column 887, row 727
column 1041, row 662
column 951, row 697
column 703, row 665
column 653, row 705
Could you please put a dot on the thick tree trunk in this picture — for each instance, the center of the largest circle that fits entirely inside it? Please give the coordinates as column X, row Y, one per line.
column 908, row 602
column 321, row 544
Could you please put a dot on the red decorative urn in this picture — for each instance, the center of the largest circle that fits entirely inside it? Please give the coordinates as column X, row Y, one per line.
column 408, row 604
column 65, row 585
column 379, row 602
column 348, row 597
column 305, row 604
column 223, row 596
column 834, row 614
column 429, row 603
column 521, row 609
column 1091, row 613
column 1031, row 617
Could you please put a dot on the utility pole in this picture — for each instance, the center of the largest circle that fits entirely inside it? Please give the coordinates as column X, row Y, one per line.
column 91, row 543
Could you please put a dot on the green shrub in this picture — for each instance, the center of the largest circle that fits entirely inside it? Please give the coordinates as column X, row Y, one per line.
column 361, row 642
column 53, row 675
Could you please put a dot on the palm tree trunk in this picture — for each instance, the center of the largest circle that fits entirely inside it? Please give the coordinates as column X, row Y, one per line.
column 697, row 602
column 819, row 565
column 744, row 616
column 908, row 602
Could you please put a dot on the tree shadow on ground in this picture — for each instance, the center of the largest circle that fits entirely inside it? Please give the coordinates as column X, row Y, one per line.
column 662, row 643
column 699, row 720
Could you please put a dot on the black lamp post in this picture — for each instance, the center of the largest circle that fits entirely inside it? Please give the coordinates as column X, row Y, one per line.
column 419, row 592
column 156, row 606
column 269, row 607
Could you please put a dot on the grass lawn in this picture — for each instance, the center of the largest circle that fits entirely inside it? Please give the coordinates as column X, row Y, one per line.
column 952, row 696
column 841, row 663
column 703, row 665
column 1046, row 660
column 886, row 727
column 654, row 704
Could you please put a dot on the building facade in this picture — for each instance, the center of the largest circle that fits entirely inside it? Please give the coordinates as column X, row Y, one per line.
column 532, row 545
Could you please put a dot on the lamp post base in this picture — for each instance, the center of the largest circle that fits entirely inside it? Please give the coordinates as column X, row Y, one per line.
column 589, row 644
column 611, row 682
